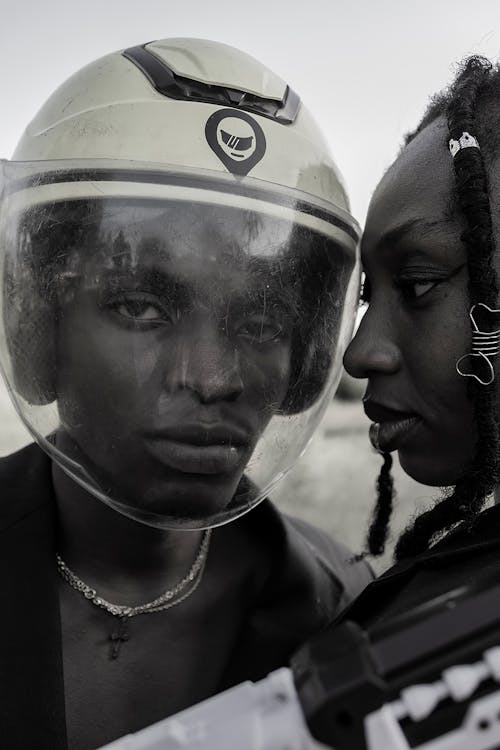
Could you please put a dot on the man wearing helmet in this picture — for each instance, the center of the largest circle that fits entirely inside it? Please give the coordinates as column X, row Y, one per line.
column 179, row 273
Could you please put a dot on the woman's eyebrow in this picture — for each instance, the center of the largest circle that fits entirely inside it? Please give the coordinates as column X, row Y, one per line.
column 410, row 229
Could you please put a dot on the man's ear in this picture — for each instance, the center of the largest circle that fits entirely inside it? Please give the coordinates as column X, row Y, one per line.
column 310, row 368
column 30, row 328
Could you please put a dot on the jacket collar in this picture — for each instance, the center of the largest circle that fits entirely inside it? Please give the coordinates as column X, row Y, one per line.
column 300, row 597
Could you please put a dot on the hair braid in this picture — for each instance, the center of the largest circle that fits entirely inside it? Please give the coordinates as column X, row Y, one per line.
column 379, row 526
column 471, row 491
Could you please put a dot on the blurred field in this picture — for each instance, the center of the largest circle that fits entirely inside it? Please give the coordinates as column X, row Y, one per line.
column 332, row 486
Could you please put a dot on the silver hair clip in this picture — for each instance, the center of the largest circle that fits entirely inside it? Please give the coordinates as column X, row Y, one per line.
column 485, row 345
column 466, row 140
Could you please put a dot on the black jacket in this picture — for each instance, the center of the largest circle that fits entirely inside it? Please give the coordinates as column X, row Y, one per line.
column 310, row 581
column 464, row 558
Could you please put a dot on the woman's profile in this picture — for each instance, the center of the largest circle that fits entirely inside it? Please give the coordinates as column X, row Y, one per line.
column 429, row 342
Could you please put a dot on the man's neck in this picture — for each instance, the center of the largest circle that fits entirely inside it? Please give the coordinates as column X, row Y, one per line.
column 126, row 561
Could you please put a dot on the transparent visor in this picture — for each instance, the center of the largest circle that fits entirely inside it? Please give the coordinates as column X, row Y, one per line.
column 171, row 347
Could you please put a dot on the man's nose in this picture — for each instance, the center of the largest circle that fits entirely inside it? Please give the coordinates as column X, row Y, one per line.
column 207, row 363
column 372, row 350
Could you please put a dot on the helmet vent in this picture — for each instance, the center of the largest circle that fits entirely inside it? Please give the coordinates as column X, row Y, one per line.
column 168, row 83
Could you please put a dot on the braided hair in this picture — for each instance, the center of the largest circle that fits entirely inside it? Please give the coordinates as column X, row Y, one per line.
column 379, row 526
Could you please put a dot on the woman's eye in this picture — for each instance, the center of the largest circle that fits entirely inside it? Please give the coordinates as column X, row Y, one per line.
column 413, row 290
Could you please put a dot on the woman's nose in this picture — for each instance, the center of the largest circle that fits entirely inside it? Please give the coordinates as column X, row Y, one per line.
column 207, row 363
column 372, row 350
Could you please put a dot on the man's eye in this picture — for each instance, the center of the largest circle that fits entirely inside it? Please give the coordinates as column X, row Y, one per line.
column 138, row 309
column 259, row 330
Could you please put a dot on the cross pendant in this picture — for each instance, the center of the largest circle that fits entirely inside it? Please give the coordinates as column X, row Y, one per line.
column 118, row 637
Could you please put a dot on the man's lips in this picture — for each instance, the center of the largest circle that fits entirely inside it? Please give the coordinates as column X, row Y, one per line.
column 200, row 448
column 204, row 434
column 391, row 428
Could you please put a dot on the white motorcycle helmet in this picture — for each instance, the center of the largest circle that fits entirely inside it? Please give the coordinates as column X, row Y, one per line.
column 179, row 280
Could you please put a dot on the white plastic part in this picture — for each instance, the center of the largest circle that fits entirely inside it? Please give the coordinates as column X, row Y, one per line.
column 492, row 659
column 421, row 700
column 265, row 715
column 462, row 681
column 480, row 729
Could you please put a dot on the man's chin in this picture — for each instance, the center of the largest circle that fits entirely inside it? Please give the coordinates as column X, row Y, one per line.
column 191, row 498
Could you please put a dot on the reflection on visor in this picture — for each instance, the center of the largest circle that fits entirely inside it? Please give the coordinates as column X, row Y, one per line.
column 179, row 353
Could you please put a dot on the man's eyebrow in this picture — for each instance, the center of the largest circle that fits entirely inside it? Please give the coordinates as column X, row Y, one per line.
column 286, row 300
column 156, row 279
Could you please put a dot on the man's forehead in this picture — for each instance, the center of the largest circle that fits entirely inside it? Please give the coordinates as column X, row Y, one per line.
column 162, row 272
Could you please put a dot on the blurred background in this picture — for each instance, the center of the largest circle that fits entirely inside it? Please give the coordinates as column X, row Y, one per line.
column 365, row 68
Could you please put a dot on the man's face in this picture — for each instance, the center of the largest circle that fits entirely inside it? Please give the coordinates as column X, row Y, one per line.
column 173, row 353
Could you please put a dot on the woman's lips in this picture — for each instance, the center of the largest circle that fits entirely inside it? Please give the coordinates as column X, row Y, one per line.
column 391, row 427
column 391, row 436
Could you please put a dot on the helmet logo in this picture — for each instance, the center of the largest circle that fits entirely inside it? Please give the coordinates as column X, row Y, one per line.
column 235, row 146
column 237, row 139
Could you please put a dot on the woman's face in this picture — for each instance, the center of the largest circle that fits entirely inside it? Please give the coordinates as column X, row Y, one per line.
column 416, row 325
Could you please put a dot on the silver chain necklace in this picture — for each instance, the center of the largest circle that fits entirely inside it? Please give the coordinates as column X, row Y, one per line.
column 124, row 613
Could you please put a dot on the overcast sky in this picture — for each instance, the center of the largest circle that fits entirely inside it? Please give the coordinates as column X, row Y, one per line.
column 364, row 67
